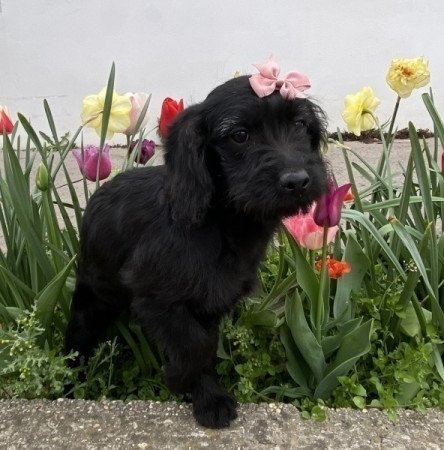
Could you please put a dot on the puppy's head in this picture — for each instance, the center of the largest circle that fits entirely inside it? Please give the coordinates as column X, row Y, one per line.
column 258, row 156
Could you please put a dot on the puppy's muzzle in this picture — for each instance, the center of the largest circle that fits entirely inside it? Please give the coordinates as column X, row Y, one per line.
column 295, row 182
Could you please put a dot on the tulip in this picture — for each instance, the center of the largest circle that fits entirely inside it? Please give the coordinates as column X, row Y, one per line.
column 119, row 118
column 42, row 178
column 6, row 125
column 138, row 101
column 327, row 212
column 147, row 150
column 306, row 232
column 91, row 159
column 359, row 109
column 404, row 75
column 170, row 109
column 335, row 269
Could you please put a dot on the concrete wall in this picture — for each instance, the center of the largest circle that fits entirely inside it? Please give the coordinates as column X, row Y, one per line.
column 62, row 50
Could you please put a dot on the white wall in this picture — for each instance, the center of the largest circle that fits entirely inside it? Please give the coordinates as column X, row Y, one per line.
column 62, row 50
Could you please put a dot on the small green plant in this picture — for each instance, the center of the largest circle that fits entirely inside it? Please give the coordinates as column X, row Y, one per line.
column 26, row 369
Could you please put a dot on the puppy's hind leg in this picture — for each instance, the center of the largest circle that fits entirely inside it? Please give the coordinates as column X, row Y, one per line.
column 191, row 347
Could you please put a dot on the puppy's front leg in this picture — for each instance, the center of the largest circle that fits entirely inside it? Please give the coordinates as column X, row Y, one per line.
column 191, row 346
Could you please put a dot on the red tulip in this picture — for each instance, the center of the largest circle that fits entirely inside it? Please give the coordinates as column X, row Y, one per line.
column 90, row 160
column 327, row 212
column 6, row 126
column 170, row 109
column 336, row 269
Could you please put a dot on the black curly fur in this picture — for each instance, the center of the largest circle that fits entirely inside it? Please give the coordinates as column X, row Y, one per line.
column 180, row 244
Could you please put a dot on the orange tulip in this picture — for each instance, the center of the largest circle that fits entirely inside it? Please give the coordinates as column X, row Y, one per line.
column 336, row 269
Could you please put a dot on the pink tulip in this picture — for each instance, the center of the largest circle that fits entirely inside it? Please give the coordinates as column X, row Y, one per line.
column 88, row 164
column 305, row 231
column 138, row 101
column 327, row 212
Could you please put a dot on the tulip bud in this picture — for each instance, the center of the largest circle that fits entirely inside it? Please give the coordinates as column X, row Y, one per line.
column 170, row 109
column 147, row 150
column 6, row 125
column 42, row 178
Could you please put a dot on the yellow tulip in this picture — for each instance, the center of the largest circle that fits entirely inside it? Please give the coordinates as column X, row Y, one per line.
column 359, row 109
column 119, row 119
column 404, row 75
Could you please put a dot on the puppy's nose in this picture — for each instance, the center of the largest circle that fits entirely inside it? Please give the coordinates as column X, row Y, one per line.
column 295, row 181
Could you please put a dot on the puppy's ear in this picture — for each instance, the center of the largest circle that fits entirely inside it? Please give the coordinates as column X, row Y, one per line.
column 189, row 186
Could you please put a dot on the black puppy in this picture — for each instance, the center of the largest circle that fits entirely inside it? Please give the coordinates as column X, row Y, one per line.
column 180, row 244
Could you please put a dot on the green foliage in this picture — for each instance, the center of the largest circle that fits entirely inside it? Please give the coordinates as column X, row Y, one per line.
column 373, row 338
column 26, row 369
column 252, row 360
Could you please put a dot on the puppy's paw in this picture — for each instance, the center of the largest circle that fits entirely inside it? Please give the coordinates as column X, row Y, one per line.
column 215, row 411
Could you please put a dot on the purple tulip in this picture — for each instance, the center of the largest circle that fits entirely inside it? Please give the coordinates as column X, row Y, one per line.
column 146, row 151
column 88, row 164
column 327, row 212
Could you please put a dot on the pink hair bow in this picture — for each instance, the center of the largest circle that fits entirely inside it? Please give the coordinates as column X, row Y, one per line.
column 266, row 81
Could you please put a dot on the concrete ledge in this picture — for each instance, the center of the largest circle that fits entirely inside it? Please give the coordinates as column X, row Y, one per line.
column 79, row 424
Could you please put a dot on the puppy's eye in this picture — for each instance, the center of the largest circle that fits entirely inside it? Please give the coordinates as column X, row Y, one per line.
column 300, row 123
column 240, row 136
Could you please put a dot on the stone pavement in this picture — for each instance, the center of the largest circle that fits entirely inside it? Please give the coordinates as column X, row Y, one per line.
column 87, row 425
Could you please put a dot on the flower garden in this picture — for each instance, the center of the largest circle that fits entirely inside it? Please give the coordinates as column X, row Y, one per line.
column 350, row 306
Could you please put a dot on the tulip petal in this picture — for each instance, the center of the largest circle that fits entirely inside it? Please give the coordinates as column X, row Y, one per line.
column 336, row 201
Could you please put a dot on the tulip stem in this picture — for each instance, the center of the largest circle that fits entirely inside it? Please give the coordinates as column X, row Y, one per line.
column 392, row 122
column 322, row 283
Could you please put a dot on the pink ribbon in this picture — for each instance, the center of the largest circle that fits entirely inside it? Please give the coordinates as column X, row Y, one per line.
column 266, row 81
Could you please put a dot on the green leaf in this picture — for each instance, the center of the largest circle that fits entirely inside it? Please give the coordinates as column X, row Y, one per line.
column 281, row 391
column 410, row 246
column 356, row 216
column 46, row 300
column 360, row 264
column 51, row 124
column 354, row 346
column 107, row 105
column 304, row 338
column 439, row 125
column 305, row 274
column 23, row 207
column 125, row 332
column 359, row 401
column 332, row 343
column 266, row 318
column 437, row 358
column 295, row 369
column 30, row 132
column 410, row 323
